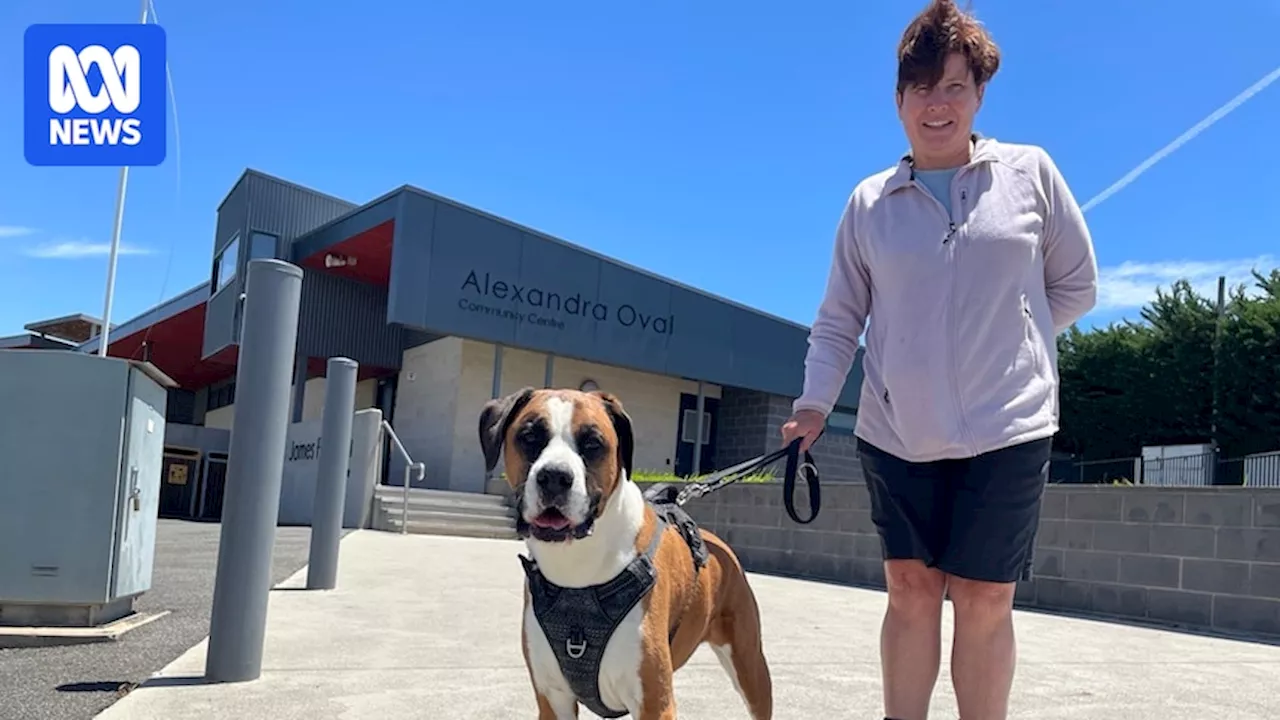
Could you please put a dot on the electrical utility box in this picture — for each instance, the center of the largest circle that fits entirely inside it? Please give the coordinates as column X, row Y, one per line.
column 81, row 446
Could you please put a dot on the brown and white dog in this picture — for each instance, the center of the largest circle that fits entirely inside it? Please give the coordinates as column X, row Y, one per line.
column 568, row 457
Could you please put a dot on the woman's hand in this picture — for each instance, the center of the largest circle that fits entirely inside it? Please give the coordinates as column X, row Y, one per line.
column 807, row 424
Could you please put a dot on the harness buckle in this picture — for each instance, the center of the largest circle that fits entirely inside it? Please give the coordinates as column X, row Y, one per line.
column 576, row 644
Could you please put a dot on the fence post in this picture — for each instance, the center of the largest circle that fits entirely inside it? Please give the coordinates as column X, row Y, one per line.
column 331, row 479
column 251, row 504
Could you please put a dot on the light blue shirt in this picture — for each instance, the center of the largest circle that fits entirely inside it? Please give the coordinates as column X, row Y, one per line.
column 939, row 183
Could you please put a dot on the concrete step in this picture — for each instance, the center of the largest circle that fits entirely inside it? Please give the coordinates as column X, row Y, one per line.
column 396, row 492
column 445, row 501
column 498, row 487
column 446, row 505
column 499, row 514
column 456, row 529
column 456, row 517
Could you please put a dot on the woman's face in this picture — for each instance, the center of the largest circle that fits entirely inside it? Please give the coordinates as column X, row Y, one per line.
column 939, row 120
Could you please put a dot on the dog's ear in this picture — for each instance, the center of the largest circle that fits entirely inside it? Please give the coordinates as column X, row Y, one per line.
column 622, row 427
column 495, row 418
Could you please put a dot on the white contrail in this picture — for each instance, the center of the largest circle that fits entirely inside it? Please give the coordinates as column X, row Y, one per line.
column 177, row 141
column 1183, row 139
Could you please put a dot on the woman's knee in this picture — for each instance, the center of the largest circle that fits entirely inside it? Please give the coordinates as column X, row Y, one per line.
column 914, row 587
column 978, row 599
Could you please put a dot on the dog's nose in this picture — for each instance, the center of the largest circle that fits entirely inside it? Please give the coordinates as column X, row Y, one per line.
column 554, row 481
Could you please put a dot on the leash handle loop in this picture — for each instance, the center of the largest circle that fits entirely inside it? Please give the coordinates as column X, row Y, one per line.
column 809, row 469
column 794, row 468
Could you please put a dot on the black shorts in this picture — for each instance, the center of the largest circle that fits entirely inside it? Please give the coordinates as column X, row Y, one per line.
column 974, row 518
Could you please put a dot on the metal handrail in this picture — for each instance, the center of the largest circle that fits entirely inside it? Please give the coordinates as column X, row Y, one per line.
column 409, row 466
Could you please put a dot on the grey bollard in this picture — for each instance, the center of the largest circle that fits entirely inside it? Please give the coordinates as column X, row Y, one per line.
column 251, row 503
column 331, row 479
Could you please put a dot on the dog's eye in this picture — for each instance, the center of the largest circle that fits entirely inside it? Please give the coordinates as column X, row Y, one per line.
column 530, row 439
column 590, row 445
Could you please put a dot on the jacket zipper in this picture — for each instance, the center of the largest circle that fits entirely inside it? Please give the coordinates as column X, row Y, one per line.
column 961, row 419
column 952, row 330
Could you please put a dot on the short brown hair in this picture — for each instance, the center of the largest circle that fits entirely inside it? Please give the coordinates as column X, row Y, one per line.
column 942, row 29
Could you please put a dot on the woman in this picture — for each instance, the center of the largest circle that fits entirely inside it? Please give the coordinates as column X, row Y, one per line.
column 967, row 257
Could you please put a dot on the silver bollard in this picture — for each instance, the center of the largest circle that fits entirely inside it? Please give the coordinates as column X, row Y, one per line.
column 331, row 479
column 251, row 504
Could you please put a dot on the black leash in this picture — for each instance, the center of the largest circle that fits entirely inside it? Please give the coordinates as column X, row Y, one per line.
column 794, row 467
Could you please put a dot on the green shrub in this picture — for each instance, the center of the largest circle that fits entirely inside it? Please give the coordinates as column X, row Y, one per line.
column 662, row 476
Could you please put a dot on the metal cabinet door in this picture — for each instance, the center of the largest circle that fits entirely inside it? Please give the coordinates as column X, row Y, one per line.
column 140, row 496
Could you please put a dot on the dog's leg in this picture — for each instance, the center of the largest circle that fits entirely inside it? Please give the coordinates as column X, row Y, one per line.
column 657, row 687
column 753, row 687
column 667, row 712
column 740, row 650
column 659, row 697
column 561, row 708
column 657, row 680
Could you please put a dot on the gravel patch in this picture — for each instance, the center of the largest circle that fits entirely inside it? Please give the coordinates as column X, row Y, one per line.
column 76, row 682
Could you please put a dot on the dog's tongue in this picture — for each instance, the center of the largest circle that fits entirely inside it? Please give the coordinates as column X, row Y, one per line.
column 552, row 519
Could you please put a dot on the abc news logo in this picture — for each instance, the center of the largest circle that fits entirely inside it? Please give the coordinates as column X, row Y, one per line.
column 95, row 95
column 69, row 89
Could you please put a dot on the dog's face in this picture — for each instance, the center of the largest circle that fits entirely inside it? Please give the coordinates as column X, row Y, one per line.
column 565, row 453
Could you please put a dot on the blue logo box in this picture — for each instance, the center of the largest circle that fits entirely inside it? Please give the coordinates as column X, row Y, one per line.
column 94, row 95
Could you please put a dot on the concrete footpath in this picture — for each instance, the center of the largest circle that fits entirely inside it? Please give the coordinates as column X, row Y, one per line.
column 428, row 627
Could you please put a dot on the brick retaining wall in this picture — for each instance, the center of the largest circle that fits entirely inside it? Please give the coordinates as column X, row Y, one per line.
column 1206, row 558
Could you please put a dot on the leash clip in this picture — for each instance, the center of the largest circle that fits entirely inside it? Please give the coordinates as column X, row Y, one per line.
column 690, row 491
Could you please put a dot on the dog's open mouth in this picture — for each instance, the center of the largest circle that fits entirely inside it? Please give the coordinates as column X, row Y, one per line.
column 551, row 519
column 552, row 525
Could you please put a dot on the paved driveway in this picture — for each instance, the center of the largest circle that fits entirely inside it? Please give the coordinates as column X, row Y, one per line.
column 428, row 627
column 76, row 682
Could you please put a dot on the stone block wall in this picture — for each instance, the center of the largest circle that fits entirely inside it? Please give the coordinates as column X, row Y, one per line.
column 1204, row 558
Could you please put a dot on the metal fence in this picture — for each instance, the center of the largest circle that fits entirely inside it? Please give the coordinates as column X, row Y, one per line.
column 1205, row 469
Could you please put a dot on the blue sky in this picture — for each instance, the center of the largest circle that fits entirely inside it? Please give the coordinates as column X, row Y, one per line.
column 715, row 145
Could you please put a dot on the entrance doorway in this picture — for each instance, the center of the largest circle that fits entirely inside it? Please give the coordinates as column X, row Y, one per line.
column 178, row 483
column 687, row 432
column 215, row 484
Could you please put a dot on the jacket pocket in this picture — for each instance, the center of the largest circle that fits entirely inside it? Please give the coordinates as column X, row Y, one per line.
column 879, row 389
column 1031, row 333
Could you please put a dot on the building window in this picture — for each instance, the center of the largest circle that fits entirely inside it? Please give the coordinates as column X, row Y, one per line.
column 221, row 397
column 691, row 427
column 262, row 245
column 224, row 265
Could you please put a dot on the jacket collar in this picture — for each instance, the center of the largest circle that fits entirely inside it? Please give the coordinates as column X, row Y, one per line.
column 984, row 150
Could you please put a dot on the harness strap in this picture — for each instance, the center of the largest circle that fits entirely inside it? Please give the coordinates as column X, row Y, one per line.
column 794, row 467
column 665, row 507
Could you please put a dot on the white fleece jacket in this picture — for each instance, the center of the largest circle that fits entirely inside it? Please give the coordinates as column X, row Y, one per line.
column 961, row 310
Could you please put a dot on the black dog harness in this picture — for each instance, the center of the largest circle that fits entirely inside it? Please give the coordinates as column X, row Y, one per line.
column 578, row 622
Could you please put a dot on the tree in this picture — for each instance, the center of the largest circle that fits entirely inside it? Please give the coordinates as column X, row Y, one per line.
column 1250, row 369
column 1152, row 382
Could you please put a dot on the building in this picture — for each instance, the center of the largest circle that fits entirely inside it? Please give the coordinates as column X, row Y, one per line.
column 445, row 306
column 63, row 333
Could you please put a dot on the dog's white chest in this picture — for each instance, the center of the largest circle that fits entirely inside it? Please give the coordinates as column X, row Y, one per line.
column 619, row 679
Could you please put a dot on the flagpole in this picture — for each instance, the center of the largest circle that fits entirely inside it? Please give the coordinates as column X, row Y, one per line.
column 104, row 336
